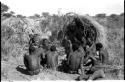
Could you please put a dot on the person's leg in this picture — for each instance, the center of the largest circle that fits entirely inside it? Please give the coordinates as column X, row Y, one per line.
column 97, row 74
column 83, row 77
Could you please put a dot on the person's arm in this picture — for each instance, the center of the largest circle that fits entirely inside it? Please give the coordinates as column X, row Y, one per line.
column 93, row 57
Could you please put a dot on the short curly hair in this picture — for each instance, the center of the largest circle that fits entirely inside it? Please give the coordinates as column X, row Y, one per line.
column 99, row 46
column 53, row 48
column 75, row 46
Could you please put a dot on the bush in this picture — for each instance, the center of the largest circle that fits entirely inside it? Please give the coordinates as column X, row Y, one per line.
column 13, row 38
column 103, row 15
column 4, row 8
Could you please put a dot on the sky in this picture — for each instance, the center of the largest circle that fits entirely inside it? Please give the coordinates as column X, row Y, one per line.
column 91, row 7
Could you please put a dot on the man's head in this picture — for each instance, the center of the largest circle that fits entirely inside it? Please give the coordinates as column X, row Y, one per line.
column 75, row 46
column 53, row 48
column 45, row 44
column 99, row 46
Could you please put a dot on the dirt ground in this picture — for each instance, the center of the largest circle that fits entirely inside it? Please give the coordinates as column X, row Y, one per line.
column 10, row 71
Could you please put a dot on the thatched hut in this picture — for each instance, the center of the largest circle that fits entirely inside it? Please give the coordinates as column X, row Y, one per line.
column 77, row 28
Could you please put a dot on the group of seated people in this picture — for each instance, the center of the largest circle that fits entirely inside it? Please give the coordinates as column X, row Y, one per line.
column 86, row 58
column 95, row 57
column 40, row 54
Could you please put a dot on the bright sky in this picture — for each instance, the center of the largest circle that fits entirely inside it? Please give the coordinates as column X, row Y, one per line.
column 91, row 7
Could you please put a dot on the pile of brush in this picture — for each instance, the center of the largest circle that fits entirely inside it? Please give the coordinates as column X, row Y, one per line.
column 79, row 30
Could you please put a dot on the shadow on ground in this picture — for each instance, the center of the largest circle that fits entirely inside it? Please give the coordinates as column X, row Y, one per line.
column 22, row 70
column 63, row 67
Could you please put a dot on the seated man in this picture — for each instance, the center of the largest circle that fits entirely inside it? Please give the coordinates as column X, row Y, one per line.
column 92, row 70
column 75, row 59
column 52, row 58
column 32, row 63
column 102, row 52
column 99, row 50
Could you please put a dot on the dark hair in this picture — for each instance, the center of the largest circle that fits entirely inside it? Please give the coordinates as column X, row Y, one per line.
column 75, row 46
column 44, row 41
column 53, row 48
column 99, row 46
column 33, row 38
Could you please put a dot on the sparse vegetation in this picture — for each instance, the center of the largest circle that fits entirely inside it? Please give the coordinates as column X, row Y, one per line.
column 115, row 35
column 4, row 8
column 14, row 33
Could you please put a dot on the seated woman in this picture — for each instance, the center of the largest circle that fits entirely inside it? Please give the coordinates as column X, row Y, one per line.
column 102, row 52
column 92, row 65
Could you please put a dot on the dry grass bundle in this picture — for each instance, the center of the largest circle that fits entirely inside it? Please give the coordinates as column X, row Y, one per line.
column 77, row 27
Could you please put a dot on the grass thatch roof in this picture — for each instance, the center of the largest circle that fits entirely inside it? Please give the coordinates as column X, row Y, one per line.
column 76, row 27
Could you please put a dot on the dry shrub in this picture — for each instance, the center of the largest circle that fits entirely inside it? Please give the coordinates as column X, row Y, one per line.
column 115, row 38
column 4, row 75
column 115, row 45
column 12, row 38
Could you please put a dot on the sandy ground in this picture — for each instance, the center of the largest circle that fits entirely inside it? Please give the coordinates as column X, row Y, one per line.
column 10, row 71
